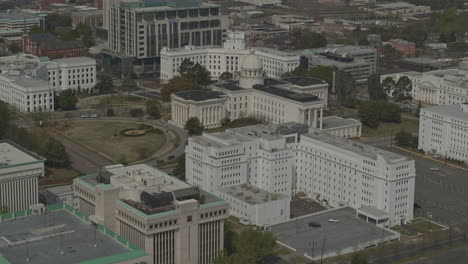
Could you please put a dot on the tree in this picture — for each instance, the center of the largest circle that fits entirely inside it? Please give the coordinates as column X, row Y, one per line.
column 177, row 84
column 129, row 83
column 372, row 112
column 14, row 47
column 56, row 154
column 404, row 139
column 252, row 245
column 179, row 171
column 374, row 88
column 152, row 109
column 193, row 126
column 363, row 41
column 345, row 87
column 390, row 53
column 136, row 112
column 4, row 209
column 5, row 117
column 104, row 84
column 403, row 89
column 308, row 40
column 67, row 100
column 225, row 76
column 358, row 259
column 88, row 40
column 368, row 115
column 195, row 72
column 388, row 85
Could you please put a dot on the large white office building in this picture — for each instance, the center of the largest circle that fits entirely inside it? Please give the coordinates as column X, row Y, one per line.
column 19, row 172
column 69, row 73
column 171, row 220
column 440, row 87
column 227, row 58
column 24, row 93
column 443, row 131
column 28, row 84
column 293, row 99
column 287, row 159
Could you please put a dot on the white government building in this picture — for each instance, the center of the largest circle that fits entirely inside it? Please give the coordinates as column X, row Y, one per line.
column 256, row 166
column 19, row 172
column 227, row 58
column 171, row 220
column 443, row 131
column 440, row 87
column 28, row 84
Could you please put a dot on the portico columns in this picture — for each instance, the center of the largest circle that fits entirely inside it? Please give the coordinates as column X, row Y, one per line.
column 309, row 117
column 321, row 118
column 315, row 118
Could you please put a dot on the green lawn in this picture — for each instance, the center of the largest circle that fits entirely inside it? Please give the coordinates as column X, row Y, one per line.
column 100, row 136
column 386, row 129
column 423, row 226
column 63, row 173
column 404, row 231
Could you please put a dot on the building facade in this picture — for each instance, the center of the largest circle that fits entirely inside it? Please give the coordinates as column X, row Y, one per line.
column 293, row 99
column 19, row 172
column 171, row 220
column 227, row 58
column 26, row 94
column 443, row 131
column 440, row 87
column 140, row 29
column 288, row 160
column 11, row 21
column 47, row 45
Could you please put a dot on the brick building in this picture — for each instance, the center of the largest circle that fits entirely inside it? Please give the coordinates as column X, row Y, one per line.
column 404, row 47
column 47, row 45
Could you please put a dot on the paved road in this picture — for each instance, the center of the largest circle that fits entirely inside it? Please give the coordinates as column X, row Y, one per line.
column 453, row 256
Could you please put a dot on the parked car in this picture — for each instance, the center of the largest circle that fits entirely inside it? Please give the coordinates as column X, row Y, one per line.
column 331, row 220
column 93, row 116
column 314, row 224
column 170, row 157
column 85, row 116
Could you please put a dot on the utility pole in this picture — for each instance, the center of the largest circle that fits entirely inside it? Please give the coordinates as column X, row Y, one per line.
column 323, row 249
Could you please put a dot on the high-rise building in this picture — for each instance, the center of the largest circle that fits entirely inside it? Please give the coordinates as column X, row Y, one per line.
column 141, row 28
column 174, row 222
column 19, row 172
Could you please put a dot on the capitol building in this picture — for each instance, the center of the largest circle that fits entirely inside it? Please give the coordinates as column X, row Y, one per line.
column 277, row 101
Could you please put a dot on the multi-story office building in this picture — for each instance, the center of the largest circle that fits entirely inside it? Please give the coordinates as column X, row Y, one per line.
column 171, row 220
column 227, row 58
column 26, row 94
column 19, row 172
column 286, row 159
column 141, row 28
column 11, row 21
column 440, row 87
column 443, row 131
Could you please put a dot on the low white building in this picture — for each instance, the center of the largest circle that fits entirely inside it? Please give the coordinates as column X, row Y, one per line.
column 287, row 159
column 60, row 194
column 24, row 93
column 338, row 126
column 440, row 87
column 443, row 131
column 293, row 99
column 254, row 205
column 227, row 58
column 19, row 172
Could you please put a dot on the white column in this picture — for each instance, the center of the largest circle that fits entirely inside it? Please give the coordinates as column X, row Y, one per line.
column 315, row 117
column 321, row 118
column 309, row 121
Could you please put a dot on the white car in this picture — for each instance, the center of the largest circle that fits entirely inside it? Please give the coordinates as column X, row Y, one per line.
column 434, row 169
column 331, row 220
column 93, row 116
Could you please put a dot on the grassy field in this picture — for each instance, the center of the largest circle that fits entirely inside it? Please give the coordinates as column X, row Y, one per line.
column 62, row 173
column 104, row 137
column 386, row 129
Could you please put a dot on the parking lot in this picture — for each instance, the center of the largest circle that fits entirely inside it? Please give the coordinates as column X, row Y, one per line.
column 301, row 207
column 441, row 191
column 334, row 232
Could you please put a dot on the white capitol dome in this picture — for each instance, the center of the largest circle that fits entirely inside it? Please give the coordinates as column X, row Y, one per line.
column 251, row 71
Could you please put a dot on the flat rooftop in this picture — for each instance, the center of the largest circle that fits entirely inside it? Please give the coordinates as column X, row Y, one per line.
column 199, row 95
column 330, row 122
column 356, row 147
column 13, row 154
column 304, row 81
column 251, row 194
column 76, row 60
column 453, row 111
column 347, row 233
column 43, row 237
column 298, row 97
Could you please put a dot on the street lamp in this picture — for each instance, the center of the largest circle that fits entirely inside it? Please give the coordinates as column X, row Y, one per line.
column 429, row 216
